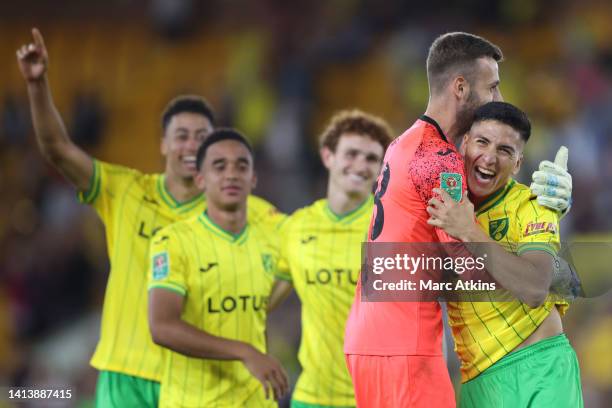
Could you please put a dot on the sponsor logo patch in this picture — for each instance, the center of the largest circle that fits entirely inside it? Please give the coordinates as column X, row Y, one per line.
column 161, row 266
column 535, row 228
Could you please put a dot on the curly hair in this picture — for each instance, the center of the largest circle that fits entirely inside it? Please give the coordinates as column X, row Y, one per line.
column 357, row 122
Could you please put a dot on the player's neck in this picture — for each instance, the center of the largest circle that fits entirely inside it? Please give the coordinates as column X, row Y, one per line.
column 445, row 117
column 181, row 189
column 341, row 203
column 229, row 221
column 476, row 200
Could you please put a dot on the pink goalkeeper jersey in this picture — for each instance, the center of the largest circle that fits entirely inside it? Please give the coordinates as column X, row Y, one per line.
column 411, row 169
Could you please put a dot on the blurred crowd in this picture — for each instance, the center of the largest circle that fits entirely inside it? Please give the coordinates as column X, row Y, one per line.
column 277, row 71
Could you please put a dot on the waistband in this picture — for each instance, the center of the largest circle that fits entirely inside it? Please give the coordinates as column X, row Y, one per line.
column 559, row 340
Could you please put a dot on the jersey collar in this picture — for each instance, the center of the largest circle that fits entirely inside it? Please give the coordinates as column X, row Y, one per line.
column 495, row 198
column 349, row 216
column 431, row 121
column 220, row 232
column 172, row 202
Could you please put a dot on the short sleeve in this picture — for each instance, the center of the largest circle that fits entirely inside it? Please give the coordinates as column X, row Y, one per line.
column 283, row 270
column 539, row 228
column 430, row 161
column 104, row 186
column 93, row 191
column 432, row 158
column 167, row 264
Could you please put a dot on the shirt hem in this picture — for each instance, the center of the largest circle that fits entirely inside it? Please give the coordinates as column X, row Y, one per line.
column 115, row 369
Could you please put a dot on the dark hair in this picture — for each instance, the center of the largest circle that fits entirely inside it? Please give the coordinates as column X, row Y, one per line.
column 452, row 52
column 219, row 135
column 187, row 103
column 358, row 122
column 507, row 114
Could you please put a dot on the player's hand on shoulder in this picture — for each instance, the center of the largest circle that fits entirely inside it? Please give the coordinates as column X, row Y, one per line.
column 33, row 58
column 268, row 371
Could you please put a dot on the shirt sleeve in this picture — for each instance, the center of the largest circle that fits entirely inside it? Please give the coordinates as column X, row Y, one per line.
column 168, row 265
column 283, row 270
column 104, row 186
column 539, row 228
column 430, row 161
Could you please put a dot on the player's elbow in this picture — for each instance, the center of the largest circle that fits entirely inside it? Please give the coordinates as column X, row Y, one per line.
column 535, row 298
column 159, row 332
column 54, row 153
column 156, row 333
column 51, row 154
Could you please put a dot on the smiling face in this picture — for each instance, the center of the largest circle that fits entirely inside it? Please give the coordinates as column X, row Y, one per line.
column 354, row 165
column 227, row 176
column 493, row 153
column 184, row 134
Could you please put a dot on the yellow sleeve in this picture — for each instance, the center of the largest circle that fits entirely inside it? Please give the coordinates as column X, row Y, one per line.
column 539, row 228
column 168, row 263
column 283, row 271
column 260, row 210
column 105, row 183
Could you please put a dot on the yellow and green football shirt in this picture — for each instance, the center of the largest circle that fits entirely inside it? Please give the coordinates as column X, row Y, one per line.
column 484, row 332
column 226, row 281
column 321, row 256
column 133, row 207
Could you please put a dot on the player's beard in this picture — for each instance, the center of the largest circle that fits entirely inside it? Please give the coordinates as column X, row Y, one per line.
column 465, row 115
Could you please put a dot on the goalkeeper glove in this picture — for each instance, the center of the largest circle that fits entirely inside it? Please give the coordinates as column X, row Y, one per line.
column 552, row 184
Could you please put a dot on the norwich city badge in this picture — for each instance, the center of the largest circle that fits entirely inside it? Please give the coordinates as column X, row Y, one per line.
column 498, row 228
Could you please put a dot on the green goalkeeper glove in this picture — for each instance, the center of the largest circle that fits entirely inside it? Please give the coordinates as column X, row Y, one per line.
column 552, row 184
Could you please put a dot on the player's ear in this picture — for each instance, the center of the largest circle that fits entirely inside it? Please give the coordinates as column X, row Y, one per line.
column 517, row 166
column 163, row 145
column 199, row 180
column 326, row 156
column 460, row 87
column 462, row 147
column 254, row 180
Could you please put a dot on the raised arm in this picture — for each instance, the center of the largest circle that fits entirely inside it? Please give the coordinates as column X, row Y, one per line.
column 170, row 331
column 51, row 135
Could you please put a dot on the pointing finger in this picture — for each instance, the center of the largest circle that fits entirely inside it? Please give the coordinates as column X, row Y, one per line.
column 38, row 38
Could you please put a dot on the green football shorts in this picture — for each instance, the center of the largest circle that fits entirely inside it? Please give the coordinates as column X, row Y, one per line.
column 545, row 374
column 115, row 390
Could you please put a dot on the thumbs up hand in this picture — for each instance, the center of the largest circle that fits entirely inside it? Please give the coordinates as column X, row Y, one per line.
column 552, row 184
